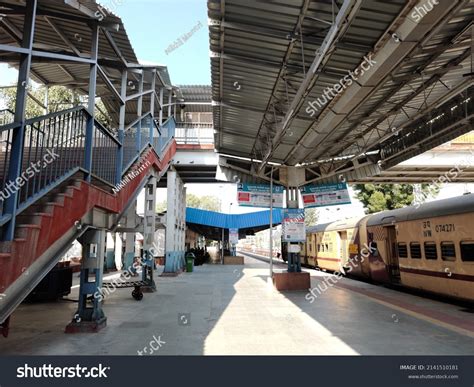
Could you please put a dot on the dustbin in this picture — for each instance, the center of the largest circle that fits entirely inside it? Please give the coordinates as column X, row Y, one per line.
column 190, row 257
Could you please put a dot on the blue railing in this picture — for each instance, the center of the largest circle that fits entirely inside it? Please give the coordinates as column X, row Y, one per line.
column 167, row 130
column 54, row 147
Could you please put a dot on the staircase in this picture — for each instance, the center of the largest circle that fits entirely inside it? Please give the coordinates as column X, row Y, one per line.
column 70, row 165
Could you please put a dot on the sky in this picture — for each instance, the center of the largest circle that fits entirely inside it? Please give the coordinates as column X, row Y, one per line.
column 153, row 25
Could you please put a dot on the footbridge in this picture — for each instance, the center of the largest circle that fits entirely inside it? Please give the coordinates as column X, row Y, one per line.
column 71, row 174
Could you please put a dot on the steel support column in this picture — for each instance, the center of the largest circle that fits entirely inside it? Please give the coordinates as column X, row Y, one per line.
column 170, row 99
column 139, row 113
column 16, row 157
column 130, row 238
column 152, row 106
column 89, row 143
column 161, row 106
column 90, row 318
column 121, row 128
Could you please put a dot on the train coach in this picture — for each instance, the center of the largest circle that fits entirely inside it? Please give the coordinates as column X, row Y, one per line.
column 428, row 247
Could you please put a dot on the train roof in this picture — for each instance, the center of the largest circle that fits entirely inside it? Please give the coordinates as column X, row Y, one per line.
column 452, row 206
column 337, row 225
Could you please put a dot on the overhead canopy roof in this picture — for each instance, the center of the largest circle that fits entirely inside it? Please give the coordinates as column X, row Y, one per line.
column 195, row 98
column 63, row 27
column 271, row 59
column 210, row 224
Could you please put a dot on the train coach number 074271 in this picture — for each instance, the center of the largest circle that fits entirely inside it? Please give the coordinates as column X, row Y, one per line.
column 445, row 227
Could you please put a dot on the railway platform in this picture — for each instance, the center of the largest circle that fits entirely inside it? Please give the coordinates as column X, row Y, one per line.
column 231, row 310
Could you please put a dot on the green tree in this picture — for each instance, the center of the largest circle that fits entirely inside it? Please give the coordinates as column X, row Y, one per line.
column 59, row 98
column 382, row 197
column 161, row 206
column 207, row 202
column 311, row 217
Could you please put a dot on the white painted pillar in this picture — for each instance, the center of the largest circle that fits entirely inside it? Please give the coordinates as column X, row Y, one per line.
column 175, row 223
column 130, row 236
column 149, row 221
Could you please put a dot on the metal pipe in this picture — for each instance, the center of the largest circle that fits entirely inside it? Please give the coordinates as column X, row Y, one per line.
column 271, row 223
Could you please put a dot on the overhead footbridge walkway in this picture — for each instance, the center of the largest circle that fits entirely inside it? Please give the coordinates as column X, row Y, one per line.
column 69, row 175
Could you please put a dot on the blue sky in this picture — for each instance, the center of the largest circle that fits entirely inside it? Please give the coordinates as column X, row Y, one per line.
column 153, row 25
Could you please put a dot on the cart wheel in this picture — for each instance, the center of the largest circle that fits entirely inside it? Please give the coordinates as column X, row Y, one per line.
column 137, row 295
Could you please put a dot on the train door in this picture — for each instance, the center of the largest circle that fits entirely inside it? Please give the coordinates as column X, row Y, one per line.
column 393, row 264
column 344, row 248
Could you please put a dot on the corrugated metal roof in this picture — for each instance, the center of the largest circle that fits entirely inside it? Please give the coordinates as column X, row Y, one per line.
column 227, row 221
column 342, row 224
column 195, row 98
column 261, row 52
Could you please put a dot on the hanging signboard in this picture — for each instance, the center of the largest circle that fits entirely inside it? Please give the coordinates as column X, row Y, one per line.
column 325, row 195
column 293, row 227
column 258, row 195
column 234, row 236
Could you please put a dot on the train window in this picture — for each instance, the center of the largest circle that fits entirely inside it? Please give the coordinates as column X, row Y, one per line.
column 431, row 252
column 402, row 250
column 415, row 250
column 327, row 247
column 448, row 252
column 467, row 251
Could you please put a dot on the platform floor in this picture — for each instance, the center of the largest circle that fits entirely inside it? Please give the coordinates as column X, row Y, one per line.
column 231, row 310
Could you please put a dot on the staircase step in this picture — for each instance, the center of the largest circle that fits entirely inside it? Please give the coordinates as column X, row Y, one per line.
column 46, row 207
column 6, row 247
column 61, row 198
column 33, row 218
column 25, row 230
column 76, row 183
column 71, row 189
